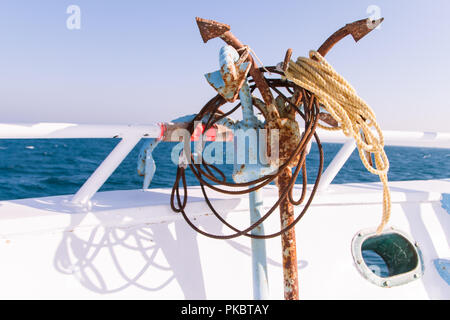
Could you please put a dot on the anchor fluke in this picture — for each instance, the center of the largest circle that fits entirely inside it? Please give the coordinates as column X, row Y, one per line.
column 210, row 29
column 359, row 29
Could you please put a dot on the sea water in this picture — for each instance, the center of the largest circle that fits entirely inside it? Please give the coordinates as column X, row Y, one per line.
column 44, row 167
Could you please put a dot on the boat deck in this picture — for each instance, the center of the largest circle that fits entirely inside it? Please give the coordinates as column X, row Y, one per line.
column 129, row 244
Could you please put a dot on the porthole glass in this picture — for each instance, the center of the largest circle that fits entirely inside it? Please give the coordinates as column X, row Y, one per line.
column 375, row 263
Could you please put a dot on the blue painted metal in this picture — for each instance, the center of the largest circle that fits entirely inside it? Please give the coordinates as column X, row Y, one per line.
column 220, row 80
column 232, row 75
column 445, row 202
column 443, row 268
column 259, row 258
column 146, row 164
column 228, row 82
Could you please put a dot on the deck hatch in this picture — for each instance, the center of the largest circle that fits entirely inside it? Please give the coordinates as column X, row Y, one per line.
column 399, row 254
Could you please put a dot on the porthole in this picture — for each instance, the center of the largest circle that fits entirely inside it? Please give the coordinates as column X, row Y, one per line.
column 389, row 259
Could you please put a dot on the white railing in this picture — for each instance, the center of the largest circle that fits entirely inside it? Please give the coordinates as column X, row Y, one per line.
column 131, row 135
column 391, row 138
column 72, row 130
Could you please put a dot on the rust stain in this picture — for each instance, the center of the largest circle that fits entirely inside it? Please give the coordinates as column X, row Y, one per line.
column 289, row 138
column 233, row 81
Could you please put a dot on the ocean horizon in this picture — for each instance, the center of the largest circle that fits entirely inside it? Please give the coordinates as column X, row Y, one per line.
column 48, row 167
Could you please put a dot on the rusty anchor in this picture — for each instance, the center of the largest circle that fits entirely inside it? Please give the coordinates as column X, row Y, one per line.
column 289, row 137
column 279, row 115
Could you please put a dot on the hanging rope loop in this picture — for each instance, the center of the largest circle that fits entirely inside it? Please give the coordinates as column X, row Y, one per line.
column 355, row 117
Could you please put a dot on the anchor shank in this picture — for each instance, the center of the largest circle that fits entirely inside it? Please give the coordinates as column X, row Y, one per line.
column 257, row 75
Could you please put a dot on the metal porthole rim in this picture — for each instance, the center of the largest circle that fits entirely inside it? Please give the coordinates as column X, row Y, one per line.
column 385, row 282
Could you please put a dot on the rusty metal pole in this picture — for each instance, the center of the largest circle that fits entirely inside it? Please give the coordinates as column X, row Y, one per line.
column 358, row 30
column 288, row 241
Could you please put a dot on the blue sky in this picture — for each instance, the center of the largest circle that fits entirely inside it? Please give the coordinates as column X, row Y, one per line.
column 143, row 61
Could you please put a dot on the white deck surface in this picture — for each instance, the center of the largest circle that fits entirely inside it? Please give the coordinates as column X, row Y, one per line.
column 129, row 244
